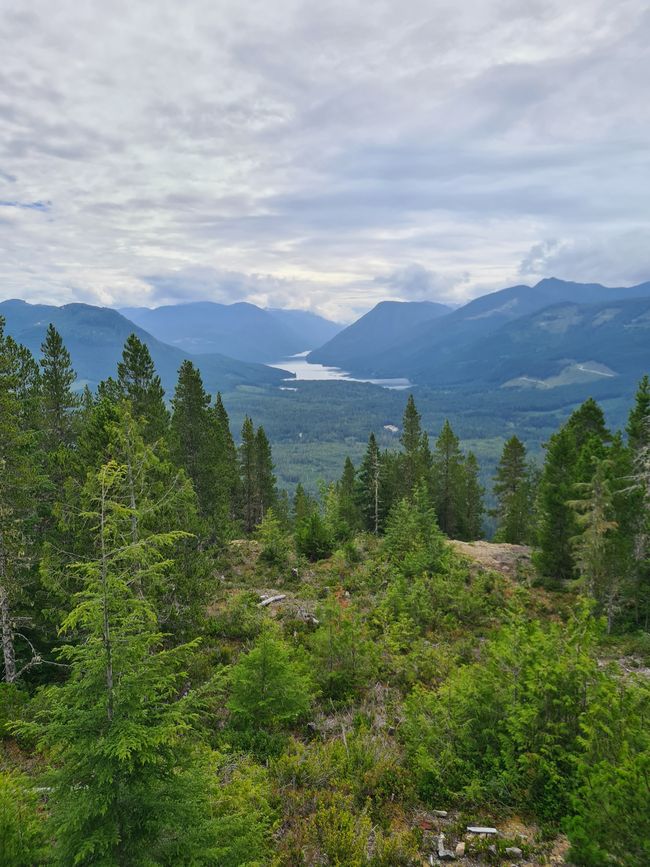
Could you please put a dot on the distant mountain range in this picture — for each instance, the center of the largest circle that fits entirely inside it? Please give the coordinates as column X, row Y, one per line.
column 95, row 337
column 544, row 336
column 243, row 331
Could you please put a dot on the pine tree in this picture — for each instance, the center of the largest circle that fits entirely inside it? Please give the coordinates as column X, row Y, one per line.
column 512, row 490
column 557, row 524
column 138, row 383
column 370, row 486
column 127, row 785
column 303, row 504
column 59, row 402
column 448, row 481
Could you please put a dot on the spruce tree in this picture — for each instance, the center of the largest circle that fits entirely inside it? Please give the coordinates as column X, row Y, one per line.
column 472, row 506
column 557, row 525
column 248, row 474
column 638, row 423
column 265, row 478
column 512, row 490
column 194, row 443
column 228, row 459
column 448, row 481
column 348, row 506
column 370, row 494
column 139, row 383
column 413, row 440
column 59, row 402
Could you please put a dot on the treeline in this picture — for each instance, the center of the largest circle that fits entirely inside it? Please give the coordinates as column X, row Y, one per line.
column 585, row 510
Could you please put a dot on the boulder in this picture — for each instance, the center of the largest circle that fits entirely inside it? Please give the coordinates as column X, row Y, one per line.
column 441, row 814
column 514, row 852
column 460, row 850
column 479, row 829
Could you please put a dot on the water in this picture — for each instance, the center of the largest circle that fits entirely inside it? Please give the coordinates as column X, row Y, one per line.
column 303, row 369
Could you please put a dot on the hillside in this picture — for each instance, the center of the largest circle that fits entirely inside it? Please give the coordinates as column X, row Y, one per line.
column 95, row 337
column 242, row 331
column 433, row 352
column 388, row 323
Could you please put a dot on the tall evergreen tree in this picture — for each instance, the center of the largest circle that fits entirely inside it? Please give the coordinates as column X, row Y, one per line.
column 638, row 423
column 448, row 481
column 139, row 383
column 415, row 444
column 59, row 402
column 248, row 473
column 265, row 477
column 228, row 462
column 513, row 493
column 127, row 786
column 347, row 490
column 194, row 441
column 20, row 482
column 472, row 506
column 370, row 499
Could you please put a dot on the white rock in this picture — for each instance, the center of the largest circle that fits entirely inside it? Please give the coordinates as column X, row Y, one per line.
column 478, row 829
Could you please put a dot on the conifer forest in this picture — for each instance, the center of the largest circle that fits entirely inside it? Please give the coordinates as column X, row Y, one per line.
column 199, row 668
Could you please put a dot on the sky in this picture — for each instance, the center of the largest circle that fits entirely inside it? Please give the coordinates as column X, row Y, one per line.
column 317, row 154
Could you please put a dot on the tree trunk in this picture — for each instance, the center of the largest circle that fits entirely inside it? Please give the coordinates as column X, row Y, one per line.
column 8, row 650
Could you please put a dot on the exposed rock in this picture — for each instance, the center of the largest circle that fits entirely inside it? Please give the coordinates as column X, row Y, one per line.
column 441, row 814
column 444, row 854
column 271, row 599
column 460, row 850
column 514, row 852
column 479, row 829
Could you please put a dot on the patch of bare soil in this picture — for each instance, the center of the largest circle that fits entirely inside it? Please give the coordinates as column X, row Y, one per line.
column 513, row 561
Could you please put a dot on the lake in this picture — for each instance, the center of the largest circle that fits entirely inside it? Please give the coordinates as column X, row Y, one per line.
column 303, row 369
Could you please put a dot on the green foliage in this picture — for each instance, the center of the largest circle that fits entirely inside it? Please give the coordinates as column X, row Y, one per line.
column 313, row 538
column 22, row 826
column 612, row 800
column 270, row 686
column 513, row 490
column 274, row 541
column 507, row 729
column 342, row 651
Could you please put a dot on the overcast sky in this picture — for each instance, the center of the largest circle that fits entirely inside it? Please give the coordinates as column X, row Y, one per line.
column 320, row 154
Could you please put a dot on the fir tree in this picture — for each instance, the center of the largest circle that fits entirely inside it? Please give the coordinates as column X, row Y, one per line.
column 348, row 506
column 265, row 478
column 472, row 506
column 138, row 383
column 448, row 480
column 638, row 423
column 512, row 490
column 370, row 486
column 59, row 402
column 248, row 474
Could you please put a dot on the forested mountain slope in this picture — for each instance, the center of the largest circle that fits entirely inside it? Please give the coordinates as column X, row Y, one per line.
column 388, row 323
column 428, row 352
column 95, row 337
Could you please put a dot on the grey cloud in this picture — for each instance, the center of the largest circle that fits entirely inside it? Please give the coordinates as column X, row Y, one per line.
column 294, row 151
column 416, row 283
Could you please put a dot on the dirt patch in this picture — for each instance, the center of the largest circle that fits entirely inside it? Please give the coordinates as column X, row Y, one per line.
column 513, row 561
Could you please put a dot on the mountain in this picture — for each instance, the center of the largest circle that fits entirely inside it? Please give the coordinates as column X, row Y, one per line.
column 431, row 350
column 388, row 323
column 95, row 337
column 240, row 330
column 563, row 344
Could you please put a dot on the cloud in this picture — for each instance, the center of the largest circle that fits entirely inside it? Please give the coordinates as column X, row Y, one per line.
column 306, row 153
column 416, row 283
column 622, row 258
